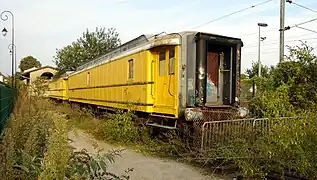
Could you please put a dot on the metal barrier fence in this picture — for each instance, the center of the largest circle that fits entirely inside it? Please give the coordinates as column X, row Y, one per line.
column 7, row 99
column 215, row 133
column 209, row 116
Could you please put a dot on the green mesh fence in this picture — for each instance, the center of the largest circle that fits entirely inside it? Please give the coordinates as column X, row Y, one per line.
column 7, row 100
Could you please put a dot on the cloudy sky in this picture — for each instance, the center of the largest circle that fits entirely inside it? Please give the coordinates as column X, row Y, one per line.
column 42, row 26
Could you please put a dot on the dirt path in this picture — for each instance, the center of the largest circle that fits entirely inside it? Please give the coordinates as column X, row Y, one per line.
column 145, row 168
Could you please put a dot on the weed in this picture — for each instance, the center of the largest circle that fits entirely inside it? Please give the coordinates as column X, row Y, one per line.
column 35, row 145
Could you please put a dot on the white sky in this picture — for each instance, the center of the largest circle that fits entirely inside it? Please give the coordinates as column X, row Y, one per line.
column 43, row 26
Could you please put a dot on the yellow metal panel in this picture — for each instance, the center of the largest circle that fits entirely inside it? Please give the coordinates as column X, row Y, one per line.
column 109, row 84
column 58, row 89
column 166, row 84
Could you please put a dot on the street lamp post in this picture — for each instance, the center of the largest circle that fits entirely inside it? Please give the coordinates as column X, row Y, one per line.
column 11, row 47
column 4, row 16
column 259, row 53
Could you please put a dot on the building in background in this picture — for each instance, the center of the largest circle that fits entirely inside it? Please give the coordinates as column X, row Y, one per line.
column 4, row 78
column 30, row 75
column 1, row 77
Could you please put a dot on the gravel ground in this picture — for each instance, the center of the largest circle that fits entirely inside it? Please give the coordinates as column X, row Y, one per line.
column 145, row 167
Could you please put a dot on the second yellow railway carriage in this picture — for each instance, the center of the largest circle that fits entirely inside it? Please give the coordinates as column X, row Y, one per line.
column 165, row 75
column 58, row 89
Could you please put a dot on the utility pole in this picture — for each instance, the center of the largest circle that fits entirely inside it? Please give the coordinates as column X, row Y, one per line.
column 282, row 27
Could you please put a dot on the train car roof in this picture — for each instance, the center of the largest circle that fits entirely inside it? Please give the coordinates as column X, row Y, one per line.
column 139, row 41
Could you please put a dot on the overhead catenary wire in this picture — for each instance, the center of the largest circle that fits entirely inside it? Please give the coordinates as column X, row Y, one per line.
column 286, row 28
column 267, row 52
column 267, row 30
column 307, row 8
column 299, row 24
column 276, row 42
column 314, row 46
column 233, row 13
column 307, row 29
column 255, row 53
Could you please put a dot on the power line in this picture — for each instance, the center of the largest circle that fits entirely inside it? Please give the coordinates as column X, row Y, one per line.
column 302, row 23
column 266, row 52
column 296, row 25
column 307, row 29
column 236, row 12
column 290, row 37
column 255, row 44
column 276, row 42
column 255, row 53
column 307, row 8
column 305, row 22
column 249, row 34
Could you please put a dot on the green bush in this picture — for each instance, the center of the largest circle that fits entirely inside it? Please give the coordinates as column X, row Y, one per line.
column 288, row 90
column 35, row 145
column 118, row 127
column 289, row 147
column 272, row 103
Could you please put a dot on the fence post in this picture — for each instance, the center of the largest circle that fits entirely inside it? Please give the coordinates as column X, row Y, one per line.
column 1, row 105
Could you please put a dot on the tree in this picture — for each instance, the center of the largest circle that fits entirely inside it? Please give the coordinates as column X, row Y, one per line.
column 88, row 47
column 29, row 62
column 291, row 85
column 299, row 73
column 254, row 71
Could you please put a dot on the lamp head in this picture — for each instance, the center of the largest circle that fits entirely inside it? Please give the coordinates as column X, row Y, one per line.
column 4, row 32
column 262, row 24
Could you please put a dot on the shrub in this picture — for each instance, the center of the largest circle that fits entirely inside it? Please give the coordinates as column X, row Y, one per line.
column 119, row 127
column 272, row 103
column 35, row 145
column 288, row 148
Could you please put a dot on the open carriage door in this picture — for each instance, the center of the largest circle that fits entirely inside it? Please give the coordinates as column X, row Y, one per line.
column 219, row 77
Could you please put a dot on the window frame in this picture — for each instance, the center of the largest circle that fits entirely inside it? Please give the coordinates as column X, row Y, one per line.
column 88, row 78
column 171, row 66
column 162, row 72
column 131, row 69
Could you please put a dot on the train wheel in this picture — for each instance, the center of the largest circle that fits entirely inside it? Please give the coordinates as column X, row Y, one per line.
column 186, row 133
column 153, row 131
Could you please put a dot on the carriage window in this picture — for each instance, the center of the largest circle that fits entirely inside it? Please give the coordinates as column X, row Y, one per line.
column 131, row 72
column 171, row 61
column 162, row 63
column 88, row 78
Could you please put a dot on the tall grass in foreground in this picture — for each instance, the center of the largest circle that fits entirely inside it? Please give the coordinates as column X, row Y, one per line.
column 288, row 147
column 35, row 146
column 121, row 129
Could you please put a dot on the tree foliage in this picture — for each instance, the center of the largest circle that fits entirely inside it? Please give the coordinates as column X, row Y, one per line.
column 299, row 72
column 284, row 142
column 91, row 45
column 254, row 70
column 29, row 62
column 297, row 76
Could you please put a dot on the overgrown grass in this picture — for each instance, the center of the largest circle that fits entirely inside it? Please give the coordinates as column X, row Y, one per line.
column 120, row 129
column 35, row 146
column 289, row 146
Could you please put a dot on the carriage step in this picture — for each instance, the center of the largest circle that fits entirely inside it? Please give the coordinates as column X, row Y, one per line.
column 161, row 126
column 163, row 116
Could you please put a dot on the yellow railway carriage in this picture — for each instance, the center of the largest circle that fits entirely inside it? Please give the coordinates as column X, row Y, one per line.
column 58, row 89
column 166, row 75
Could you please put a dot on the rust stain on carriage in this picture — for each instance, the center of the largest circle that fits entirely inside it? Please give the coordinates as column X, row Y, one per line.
column 212, row 67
